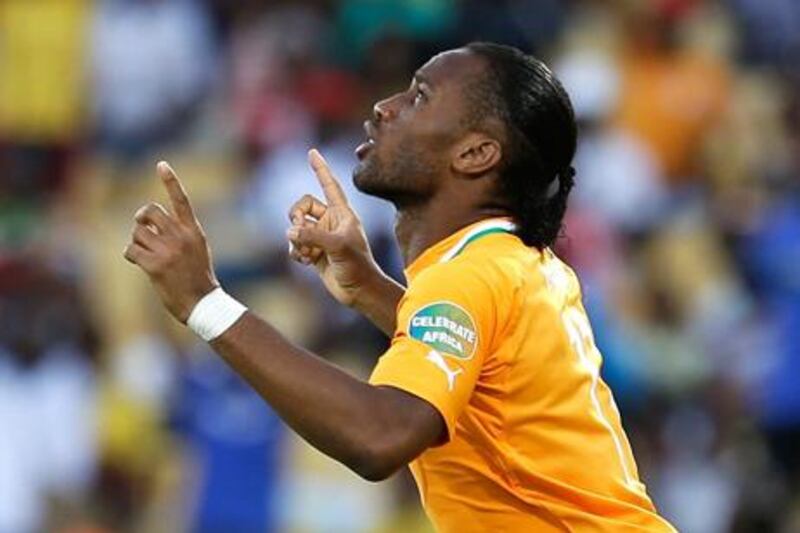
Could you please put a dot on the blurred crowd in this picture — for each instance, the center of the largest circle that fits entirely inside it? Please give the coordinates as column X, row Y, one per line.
column 684, row 227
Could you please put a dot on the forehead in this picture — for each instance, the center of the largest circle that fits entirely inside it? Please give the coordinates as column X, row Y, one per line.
column 452, row 68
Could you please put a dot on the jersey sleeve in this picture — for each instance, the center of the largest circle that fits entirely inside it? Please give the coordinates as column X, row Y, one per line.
column 445, row 328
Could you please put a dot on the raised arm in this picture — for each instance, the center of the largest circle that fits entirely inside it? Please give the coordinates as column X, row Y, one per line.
column 372, row 430
column 330, row 236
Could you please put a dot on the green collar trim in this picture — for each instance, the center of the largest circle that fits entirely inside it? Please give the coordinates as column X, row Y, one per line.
column 487, row 228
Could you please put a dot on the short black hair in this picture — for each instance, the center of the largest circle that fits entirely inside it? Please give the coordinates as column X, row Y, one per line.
column 540, row 137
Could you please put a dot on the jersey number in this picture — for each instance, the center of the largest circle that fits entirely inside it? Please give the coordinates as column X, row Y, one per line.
column 580, row 336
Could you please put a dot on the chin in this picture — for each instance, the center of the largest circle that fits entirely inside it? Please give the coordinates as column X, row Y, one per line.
column 368, row 181
column 396, row 182
column 367, row 177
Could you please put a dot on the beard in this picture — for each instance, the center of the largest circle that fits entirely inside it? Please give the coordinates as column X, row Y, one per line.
column 408, row 175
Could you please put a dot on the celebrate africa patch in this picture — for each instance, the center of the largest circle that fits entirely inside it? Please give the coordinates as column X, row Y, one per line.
column 445, row 327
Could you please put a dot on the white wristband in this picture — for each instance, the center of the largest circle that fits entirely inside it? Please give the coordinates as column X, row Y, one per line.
column 214, row 314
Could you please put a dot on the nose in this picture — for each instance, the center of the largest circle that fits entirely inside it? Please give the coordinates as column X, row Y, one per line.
column 384, row 110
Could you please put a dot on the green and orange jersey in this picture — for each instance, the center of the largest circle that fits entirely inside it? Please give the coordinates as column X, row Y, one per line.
column 493, row 334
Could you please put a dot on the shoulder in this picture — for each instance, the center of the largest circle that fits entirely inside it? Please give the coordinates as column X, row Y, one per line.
column 482, row 287
column 502, row 261
column 469, row 277
column 452, row 307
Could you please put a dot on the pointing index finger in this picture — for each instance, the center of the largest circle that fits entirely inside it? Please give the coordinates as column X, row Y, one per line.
column 177, row 194
column 330, row 185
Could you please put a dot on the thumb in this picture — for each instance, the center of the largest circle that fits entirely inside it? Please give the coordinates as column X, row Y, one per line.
column 311, row 236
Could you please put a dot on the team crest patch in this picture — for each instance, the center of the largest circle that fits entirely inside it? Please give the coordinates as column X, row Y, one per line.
column 445, row 327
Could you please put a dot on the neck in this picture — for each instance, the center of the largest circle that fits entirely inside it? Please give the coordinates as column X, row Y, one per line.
column 420, row 226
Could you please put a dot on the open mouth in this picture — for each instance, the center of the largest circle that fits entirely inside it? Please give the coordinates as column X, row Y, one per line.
column 363, row 149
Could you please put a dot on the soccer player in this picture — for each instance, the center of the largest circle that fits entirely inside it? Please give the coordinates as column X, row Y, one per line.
column 491, row 388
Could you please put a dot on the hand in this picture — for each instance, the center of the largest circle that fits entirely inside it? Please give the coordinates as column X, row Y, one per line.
column 172, row 250
column 330, row 236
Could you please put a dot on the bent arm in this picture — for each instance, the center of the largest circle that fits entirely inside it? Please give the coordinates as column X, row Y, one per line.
column 372, row 430
column 330, row 236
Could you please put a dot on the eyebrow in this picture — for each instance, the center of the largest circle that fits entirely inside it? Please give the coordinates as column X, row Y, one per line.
column 419, row 77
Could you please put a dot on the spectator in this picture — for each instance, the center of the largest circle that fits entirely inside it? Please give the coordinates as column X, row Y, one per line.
column 42, row 88
column 151, row 62
column 48, row 452
column 670, row 98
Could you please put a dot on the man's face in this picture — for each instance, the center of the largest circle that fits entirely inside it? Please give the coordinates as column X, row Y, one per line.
column 412, row 133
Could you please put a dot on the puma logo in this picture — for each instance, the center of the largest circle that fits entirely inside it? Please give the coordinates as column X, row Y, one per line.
column 437, row 359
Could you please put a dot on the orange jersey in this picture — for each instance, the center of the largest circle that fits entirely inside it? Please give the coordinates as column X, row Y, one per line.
column 493, row 334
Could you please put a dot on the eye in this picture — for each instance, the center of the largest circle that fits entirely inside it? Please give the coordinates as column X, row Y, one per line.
column 419, row 96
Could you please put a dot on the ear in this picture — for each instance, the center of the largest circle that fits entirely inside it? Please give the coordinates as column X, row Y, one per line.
column 476, row 154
